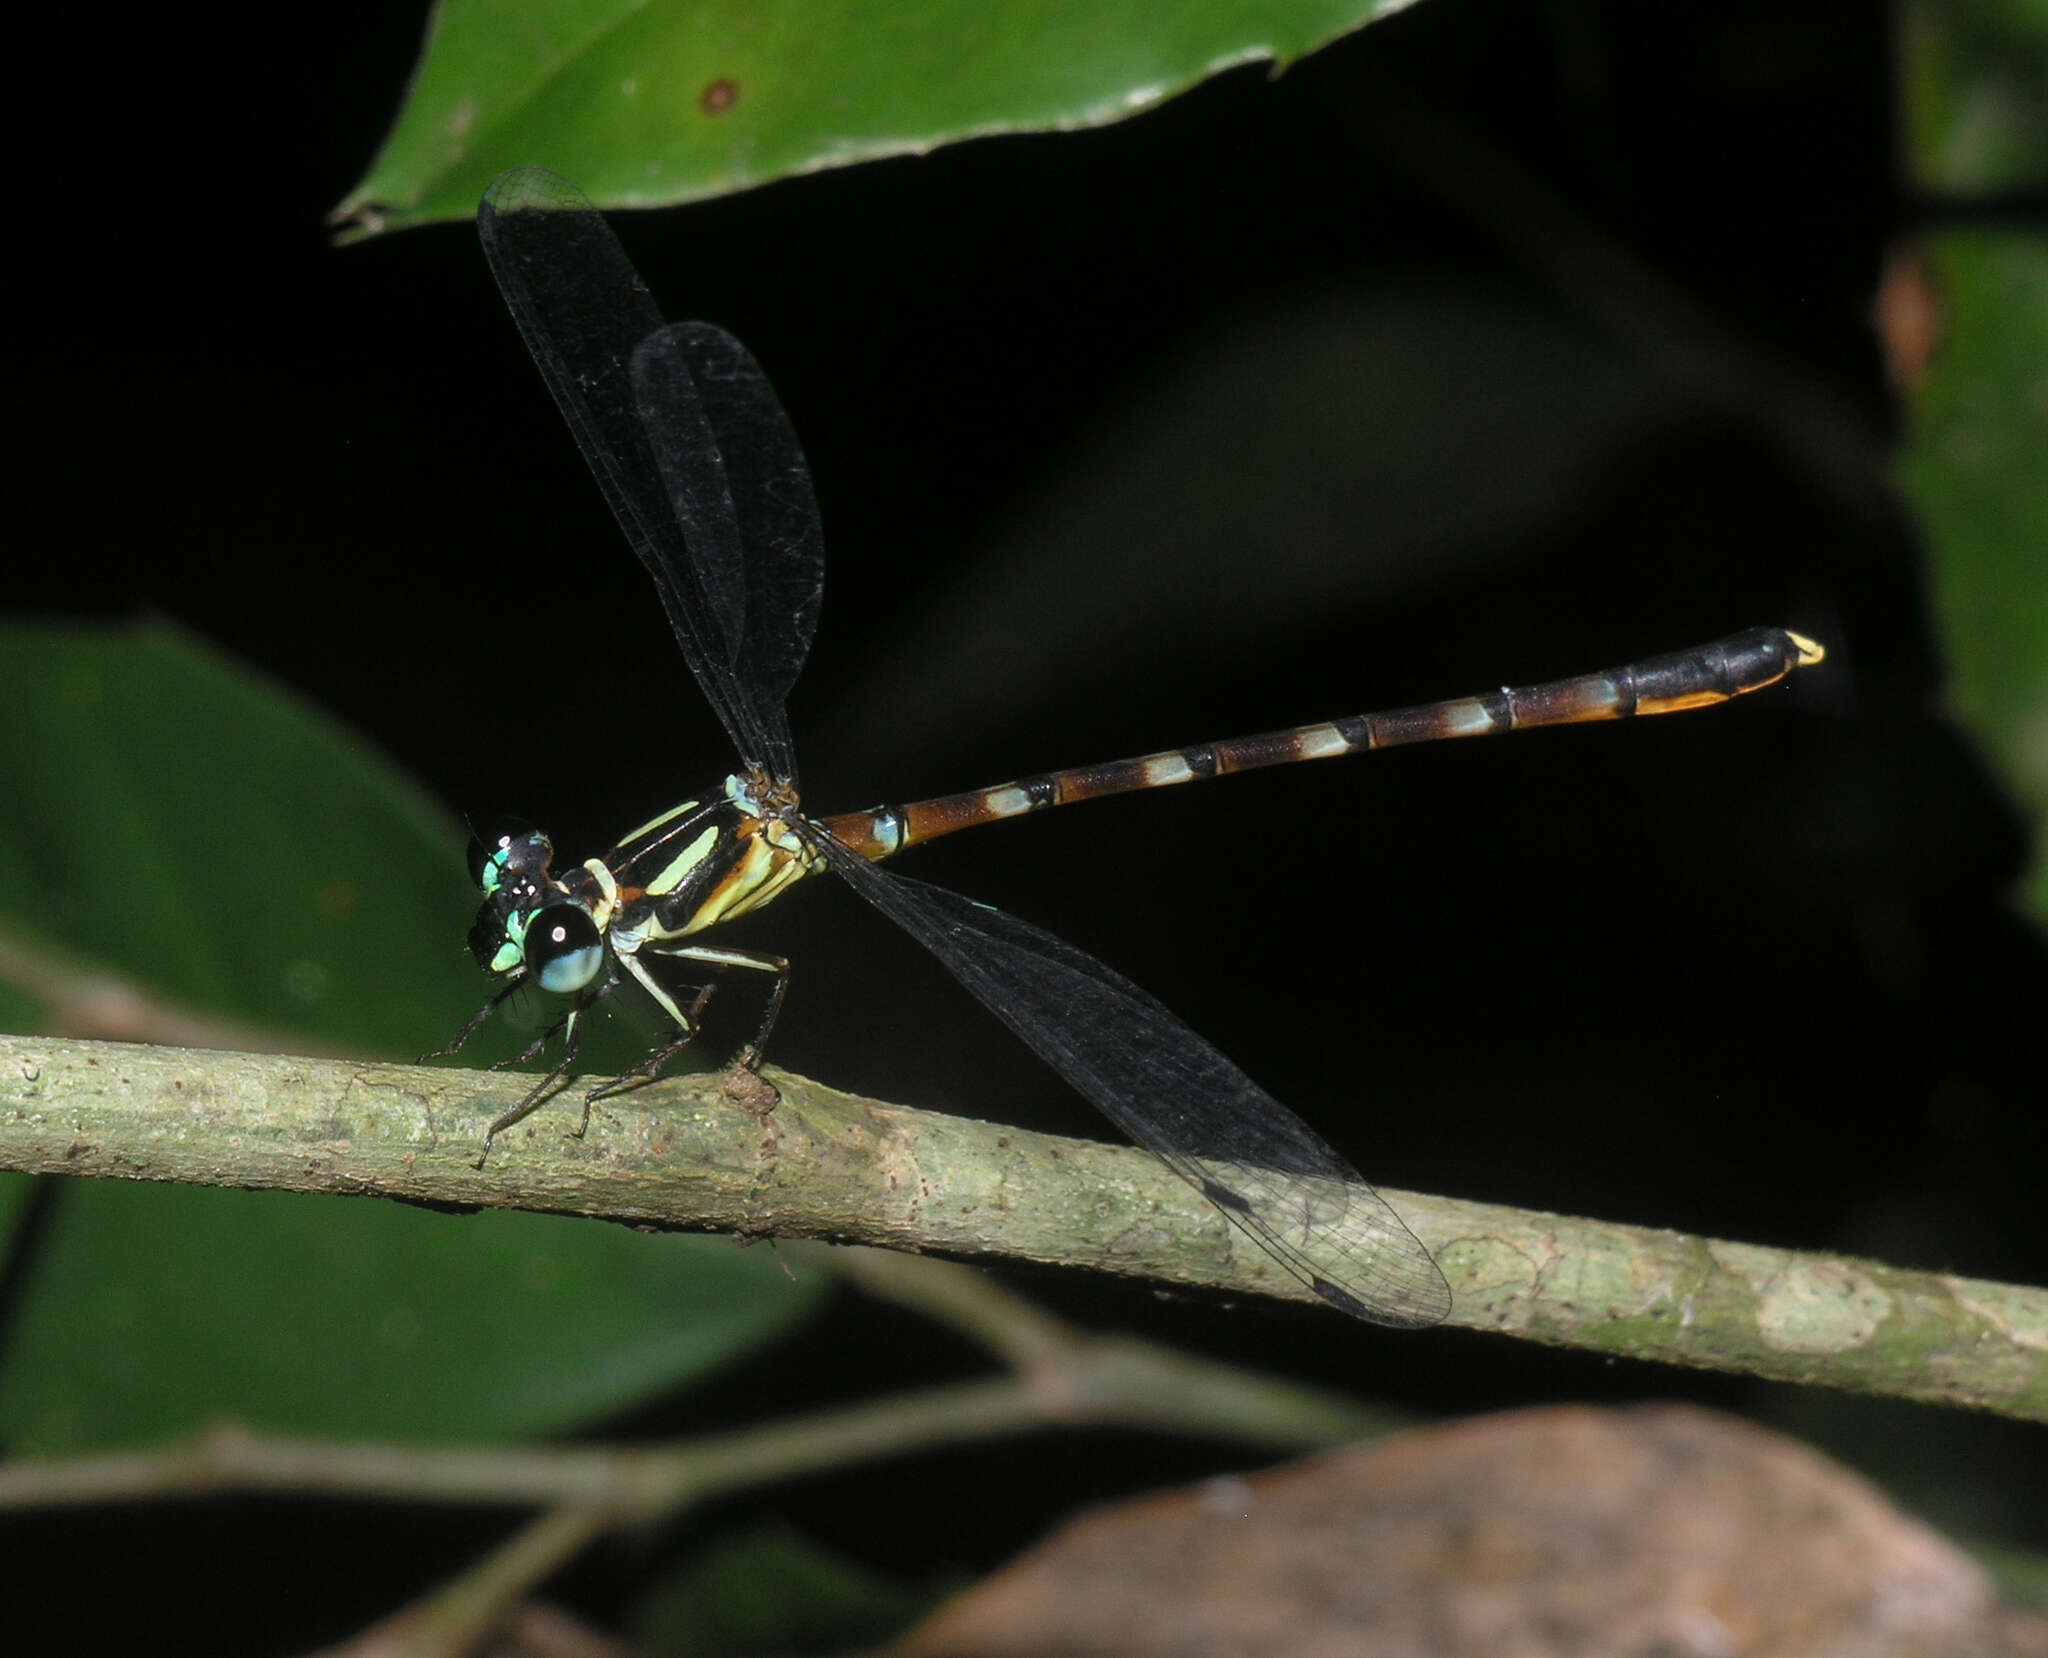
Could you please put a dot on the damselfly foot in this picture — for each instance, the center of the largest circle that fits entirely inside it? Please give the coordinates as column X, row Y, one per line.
column 707, row 478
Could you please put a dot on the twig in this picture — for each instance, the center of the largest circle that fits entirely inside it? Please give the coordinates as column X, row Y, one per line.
column 836, row 1167
column 1106, row 1381
column 586, row 1491
column 456, row 1616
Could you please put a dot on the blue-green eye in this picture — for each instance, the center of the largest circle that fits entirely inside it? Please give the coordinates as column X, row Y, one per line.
column 563, row 950
column 512, row 855
column 493, row 935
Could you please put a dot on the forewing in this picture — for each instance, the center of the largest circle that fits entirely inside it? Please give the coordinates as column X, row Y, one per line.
column 584, row 311
column 1268, row 1172
column 692, row 378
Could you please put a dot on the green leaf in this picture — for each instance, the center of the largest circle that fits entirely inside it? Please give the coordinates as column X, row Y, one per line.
column 650, row 104
column 1975, row 117
column 772, row 1591
column 190, row 825
column 159, row 1308
column 211, row 838
column 1975, row 469
column 14, row 1196
column 1973, row 462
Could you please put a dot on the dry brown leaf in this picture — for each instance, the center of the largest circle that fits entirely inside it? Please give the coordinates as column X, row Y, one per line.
column 1558, row 1533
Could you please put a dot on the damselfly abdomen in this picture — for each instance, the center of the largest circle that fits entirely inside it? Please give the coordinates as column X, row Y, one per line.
column 707, row 478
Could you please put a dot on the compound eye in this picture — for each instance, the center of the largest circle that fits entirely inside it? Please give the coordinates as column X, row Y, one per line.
column 563, row 950
column 510, row 854
column 493, row 941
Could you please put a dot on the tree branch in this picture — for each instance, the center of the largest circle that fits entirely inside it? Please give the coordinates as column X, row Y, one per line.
column 1068, row 1378
column 837, row 1167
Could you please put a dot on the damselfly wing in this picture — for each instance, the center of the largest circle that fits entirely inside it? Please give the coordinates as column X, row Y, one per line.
column 708, row 481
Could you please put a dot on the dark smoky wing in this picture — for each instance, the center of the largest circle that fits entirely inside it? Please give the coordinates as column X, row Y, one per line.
column 1173, row 1093
column 584, row 311
column 727, row 451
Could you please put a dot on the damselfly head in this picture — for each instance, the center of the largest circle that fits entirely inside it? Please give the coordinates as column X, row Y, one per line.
column 511, row 856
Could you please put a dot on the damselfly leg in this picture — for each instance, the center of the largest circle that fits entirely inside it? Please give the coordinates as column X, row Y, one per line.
column 705, row 475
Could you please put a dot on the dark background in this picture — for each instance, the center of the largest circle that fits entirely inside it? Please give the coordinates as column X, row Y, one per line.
column 1495, row 343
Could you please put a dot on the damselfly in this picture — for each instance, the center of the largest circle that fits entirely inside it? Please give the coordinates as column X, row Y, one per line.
column 705, row 475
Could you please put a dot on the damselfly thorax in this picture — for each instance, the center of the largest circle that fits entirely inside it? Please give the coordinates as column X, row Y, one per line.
column 699, row 463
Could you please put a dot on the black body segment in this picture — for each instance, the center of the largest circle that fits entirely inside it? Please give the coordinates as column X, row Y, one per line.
column 707, row 478
column 1697, row 678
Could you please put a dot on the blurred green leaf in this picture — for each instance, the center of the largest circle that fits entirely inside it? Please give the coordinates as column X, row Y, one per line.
column 650, row 104
column 1973, row 464
column 771, row 1591
column 14, row 1196
column 1977, row 468
column 233, row 828
column 188, row 824
column 157, row 1308
column 1976, row 117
